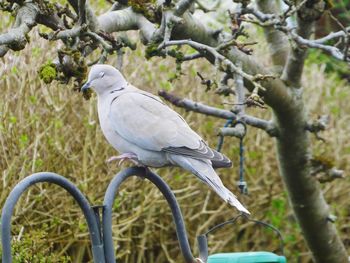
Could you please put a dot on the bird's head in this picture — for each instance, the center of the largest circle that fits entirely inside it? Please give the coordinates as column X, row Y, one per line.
column 102, row 78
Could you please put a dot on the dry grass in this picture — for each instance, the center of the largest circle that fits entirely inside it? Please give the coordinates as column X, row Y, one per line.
column 52, row 128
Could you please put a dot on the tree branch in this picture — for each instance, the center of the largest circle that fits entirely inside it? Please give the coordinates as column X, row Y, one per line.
column 3, row 50
column 190, row 105
column 16, row 38
column 205, row 8
column 308, row 13
column 82, row 12
column 329, row 175
column 237, row 131
column 225, row 63
column 333, row 35
column 85, row 13
column 124, row 20
column 192, row 28
column 274, row 26
column 182, row 6
column 277, row 41
column 331, row 50
column 240, row 94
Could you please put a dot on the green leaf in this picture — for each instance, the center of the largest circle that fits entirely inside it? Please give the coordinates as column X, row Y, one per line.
column 14, row 70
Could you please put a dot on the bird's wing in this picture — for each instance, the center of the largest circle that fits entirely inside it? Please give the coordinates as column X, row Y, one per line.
column 143, row 119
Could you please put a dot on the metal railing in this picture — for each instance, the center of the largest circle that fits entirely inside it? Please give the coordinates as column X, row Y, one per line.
column 100, row 231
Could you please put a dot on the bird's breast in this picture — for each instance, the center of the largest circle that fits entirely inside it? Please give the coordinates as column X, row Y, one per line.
column 145, row 157
column 111, row 135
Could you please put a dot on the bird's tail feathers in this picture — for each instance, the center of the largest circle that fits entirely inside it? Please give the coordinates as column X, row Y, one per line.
column 220, row 160
column 205, row 172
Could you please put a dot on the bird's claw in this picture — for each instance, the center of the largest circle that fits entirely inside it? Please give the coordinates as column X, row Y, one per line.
column 113, row 158
column 124, row 157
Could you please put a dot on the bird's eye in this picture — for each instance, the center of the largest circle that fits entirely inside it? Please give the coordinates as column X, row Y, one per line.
column 102, row 74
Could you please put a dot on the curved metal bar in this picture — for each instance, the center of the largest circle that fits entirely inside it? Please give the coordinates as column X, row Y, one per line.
column 17, row 191
column 258, row 222
column 167, row 193
column 279, row 234
column 203, row 247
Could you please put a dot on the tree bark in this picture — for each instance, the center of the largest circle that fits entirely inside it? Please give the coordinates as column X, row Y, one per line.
column 305, row 194
column 277, row 41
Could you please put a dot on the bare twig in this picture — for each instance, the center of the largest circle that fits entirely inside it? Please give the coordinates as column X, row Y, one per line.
column 188, row 104
column 254, row 100
column 237, row 131
column 65, row 34
column 262, row 17
column 317, row 126
column 323, row 169
column 331, row 50
column 100, row 40
column 267, row 20
column 191, row 57
column 332, row 36
column 279, row 22
column 338, row 22
column 241, row 46
column 240, row 93
column 169, row 20
column 346, row 36
column 207, row 82
column 225, row 63
column 223, row 87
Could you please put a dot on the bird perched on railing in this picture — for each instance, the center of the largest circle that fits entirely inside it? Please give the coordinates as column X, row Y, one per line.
column 149, row 133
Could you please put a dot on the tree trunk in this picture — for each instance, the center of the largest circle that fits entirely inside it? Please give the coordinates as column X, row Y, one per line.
column 305, row 194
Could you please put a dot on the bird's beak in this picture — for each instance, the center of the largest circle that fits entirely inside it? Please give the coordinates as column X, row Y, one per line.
column 85, row 87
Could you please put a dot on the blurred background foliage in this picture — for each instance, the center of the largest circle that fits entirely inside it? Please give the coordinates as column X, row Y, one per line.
column 52, row 128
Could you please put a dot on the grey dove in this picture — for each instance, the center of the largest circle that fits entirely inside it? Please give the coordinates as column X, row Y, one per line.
column 146, row 131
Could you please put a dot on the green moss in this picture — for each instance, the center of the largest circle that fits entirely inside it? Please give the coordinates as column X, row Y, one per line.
column 329, row 4
column 176, row 54
column 146, row 7
column 48, row 72
column 141, row 5
column 327, row 162
column 77, row 69
column 46, row 7
column 152, row 51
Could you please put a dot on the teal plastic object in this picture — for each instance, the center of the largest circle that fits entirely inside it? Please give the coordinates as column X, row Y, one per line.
column 247, row 257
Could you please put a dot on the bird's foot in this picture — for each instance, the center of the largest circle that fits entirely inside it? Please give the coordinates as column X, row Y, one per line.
column 125, row 157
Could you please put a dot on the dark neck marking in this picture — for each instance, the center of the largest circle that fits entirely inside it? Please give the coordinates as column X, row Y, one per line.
column 116, row 97
column 115, row 90
column 121, row 88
